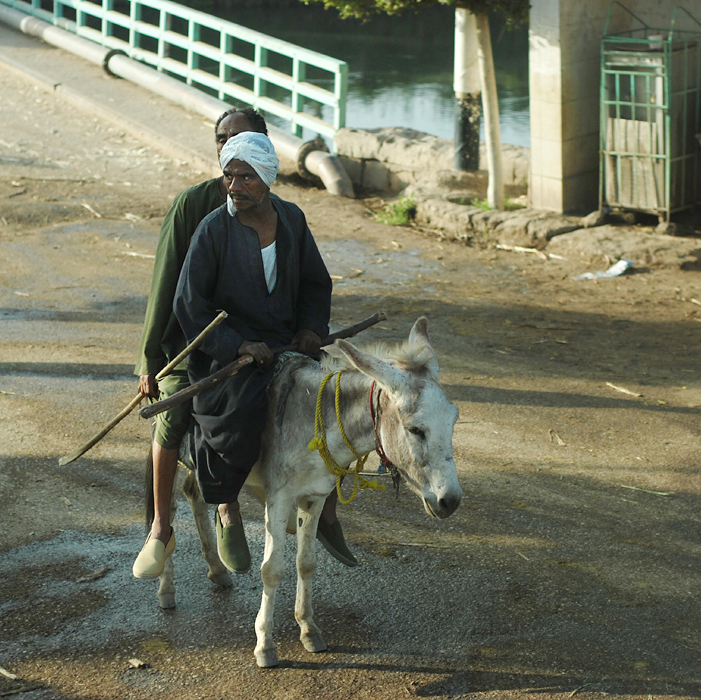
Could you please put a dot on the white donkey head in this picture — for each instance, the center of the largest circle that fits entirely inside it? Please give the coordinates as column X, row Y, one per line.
column 415, row 420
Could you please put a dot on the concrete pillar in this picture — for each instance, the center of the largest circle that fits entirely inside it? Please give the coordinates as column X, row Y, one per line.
column 564, row 73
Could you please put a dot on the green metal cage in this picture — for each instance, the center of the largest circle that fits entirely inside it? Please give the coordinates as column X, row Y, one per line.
column 650, row 155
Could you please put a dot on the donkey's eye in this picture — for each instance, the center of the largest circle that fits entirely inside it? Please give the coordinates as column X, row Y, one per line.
column 418, row 432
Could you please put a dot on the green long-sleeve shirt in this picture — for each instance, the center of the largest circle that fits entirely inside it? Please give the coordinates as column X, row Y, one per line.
column 161, row 338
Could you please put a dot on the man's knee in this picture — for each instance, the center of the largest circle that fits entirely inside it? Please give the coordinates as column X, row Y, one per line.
column 172, row 425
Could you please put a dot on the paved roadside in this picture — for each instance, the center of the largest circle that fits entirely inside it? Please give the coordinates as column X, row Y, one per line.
column 172, row 130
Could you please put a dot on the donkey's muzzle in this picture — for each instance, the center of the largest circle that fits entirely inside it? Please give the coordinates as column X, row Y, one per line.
column 443, row 507
column 448, row 505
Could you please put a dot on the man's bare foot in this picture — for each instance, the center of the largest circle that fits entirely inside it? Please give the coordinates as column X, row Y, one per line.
column 161, row 531
column 229, row 513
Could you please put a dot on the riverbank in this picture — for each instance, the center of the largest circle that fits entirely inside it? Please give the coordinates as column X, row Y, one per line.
column 406, row 165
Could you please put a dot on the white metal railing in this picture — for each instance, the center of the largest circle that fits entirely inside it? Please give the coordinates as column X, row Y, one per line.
column 207, row 52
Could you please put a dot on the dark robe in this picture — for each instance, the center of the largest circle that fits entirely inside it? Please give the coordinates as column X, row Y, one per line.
column 224, row 270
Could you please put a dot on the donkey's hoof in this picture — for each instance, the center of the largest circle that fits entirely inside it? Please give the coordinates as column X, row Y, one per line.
column 267, row 658
column 166, row 601
column 221, row 579
column 313, row 642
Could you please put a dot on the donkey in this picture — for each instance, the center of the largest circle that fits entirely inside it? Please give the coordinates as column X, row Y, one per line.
column 389, row 400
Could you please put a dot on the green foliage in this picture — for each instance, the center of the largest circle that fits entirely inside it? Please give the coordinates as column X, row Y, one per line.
column 398, row 214
column 480, row 204
column 509, row 204
column 515, row 11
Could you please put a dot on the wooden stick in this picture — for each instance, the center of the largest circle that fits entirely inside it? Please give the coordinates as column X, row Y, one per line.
column 233, row 367
column 63, row 461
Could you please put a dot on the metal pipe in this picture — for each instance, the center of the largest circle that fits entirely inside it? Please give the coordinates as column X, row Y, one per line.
column 331, row 172
column 27, row 24
column 313, row 160
column 311, row 157
column 165, row 86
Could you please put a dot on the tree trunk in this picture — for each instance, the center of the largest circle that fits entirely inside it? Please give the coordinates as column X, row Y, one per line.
column 468, row 98
column 495, row 189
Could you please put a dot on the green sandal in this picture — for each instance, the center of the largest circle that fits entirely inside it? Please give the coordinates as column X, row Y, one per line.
column 331, row 536
column 232, row 547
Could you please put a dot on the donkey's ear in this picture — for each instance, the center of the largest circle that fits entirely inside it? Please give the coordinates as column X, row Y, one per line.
column 382, row 372
column 419, row 331
column 419, row 335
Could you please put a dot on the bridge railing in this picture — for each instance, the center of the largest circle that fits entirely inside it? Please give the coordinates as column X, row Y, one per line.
column 224, row 58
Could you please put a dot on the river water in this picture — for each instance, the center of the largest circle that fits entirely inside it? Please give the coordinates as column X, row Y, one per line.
column 401, row 68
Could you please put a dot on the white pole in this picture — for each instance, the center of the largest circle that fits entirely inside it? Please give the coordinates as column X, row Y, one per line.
column 467, row 87
column 490, row 105
column 466, row 76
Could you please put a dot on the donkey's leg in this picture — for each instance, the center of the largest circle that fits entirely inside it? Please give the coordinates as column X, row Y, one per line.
column 308, row 518
column 257, row 491
column 271, row 572
column 166, row 589
column 217, row 570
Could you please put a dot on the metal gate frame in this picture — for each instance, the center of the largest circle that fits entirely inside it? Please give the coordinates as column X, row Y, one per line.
column 650, row 156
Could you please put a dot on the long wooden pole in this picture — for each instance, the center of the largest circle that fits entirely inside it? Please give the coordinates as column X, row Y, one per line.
column 63, row 461
column 233, row 367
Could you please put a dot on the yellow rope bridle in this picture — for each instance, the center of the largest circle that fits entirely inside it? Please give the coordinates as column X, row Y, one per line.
column 318, row 442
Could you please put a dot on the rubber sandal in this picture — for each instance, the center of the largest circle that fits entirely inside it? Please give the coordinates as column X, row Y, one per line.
column 331, row 536
column 232, row 546
column 152, row 557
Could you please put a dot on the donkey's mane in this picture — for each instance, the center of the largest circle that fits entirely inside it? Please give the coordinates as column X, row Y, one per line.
column 408, row 356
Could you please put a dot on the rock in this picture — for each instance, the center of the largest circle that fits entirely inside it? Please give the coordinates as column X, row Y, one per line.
column 513, row 230
column 543, row 227
column 595, row 218
column 667, row 228
column 454, row 220
column 643, row 246
column 420, row 157
column 407, row 148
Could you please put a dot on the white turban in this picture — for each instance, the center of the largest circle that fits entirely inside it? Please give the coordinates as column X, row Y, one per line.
column 255, row 149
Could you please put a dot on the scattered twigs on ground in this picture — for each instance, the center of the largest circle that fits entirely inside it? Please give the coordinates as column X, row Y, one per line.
column 63, row 461
column 623, row 391
column 17, row 183
column 581, row 687
column 533, row 251
column 138, row 255
column 91, row 210
column 554, row 437
column 654, row 493
column 23, row 689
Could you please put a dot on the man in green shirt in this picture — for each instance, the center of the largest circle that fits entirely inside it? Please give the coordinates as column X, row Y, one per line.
column 162, row 339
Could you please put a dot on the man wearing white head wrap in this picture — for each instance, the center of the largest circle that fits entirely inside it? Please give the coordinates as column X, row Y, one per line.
column 255, row 149
column 256, row 259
